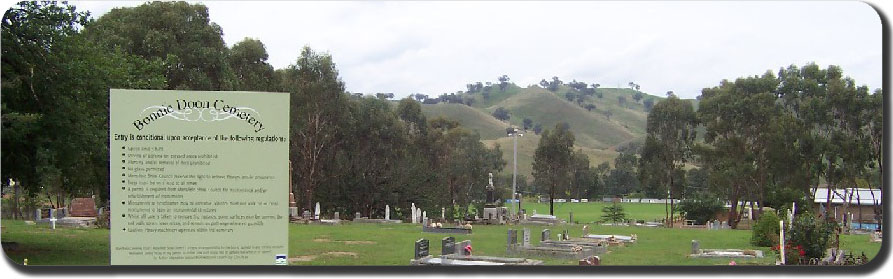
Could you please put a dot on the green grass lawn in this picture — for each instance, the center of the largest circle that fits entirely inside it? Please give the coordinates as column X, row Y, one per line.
column 592, row 211
column 63, row 246
column 373, row 244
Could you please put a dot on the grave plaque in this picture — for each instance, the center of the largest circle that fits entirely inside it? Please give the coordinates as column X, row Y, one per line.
column 448, row 245
column 179, row 161
column 421, row 248
column 83, row 207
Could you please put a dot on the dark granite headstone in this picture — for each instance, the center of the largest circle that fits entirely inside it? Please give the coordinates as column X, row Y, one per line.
column 421, row 248
column 448, row 245
column 83, row 207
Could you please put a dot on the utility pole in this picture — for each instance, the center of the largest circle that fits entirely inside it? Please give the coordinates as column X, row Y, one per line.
column 515, row 134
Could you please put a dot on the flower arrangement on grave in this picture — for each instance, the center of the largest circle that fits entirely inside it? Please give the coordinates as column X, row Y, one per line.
column 792, row 254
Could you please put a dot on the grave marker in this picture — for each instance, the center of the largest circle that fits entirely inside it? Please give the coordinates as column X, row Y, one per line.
column 511, row 238
column 448, row 245
column 83, row 207
column 421, row 248
column 546, row 235
column 465, row 247
column 526, row 237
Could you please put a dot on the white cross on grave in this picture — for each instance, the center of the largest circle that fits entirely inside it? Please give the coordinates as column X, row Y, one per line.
column 53, row 221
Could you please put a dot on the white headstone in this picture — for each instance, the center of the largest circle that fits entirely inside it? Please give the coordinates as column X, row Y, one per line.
column 790, row 217
column 412, row 213
column 424, row 215
column 781, row 239
column 387, row 212
column 442, row 213
column 316, row 211
column 750, row 213
column 53, row 218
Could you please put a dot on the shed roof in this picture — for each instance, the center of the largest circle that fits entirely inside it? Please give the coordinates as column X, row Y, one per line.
column 853, row 195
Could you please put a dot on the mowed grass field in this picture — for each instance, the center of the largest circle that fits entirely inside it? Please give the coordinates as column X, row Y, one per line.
column 377, row 244
column 590, row 212
column 393, row 244
column 42, row 245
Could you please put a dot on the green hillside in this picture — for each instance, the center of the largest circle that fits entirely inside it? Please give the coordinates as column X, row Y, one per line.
column 470, row 118
column 598, row 132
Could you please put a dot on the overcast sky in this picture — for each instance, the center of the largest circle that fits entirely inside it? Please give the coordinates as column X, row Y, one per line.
column 437, row 47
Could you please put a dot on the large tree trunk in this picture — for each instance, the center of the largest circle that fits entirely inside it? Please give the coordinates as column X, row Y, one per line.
column 672, row 203
column 733, row 209
column 552, row 199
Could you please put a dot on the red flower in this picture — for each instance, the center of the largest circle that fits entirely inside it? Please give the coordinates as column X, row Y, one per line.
column 802, row 253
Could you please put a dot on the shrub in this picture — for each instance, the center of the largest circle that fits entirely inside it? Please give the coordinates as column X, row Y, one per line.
column 701, row 208
column 811, row 234
column 765, row 230
column 613, row 213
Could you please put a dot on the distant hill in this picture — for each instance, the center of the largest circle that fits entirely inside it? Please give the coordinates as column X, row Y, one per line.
column 598, row 132
column 471, row 118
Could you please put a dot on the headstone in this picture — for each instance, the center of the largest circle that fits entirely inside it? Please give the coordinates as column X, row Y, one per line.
column 421, row 248
column 781, row 240
column 37, row 214
column 424, row 215
column 571, row 219
column 526, row 237
column 83, row 207
column 337, row 216
column 443, row 214
column 546, row 235
column 316, row 211
column 357, row 216
column 53, row 218
column 566, row 235
column 387, row 212
column 413, row 211
column 511, row 238
column 306, row 215
column 695, row 247
column 291, row 200
column 448, row 245
column 585, row 231
column 465, row 247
